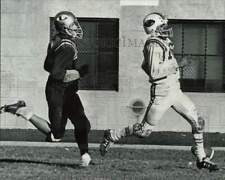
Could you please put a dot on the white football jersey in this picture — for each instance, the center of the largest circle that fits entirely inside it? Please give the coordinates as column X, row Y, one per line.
column 160, row 64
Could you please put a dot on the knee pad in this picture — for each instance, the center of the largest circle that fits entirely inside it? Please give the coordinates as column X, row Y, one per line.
column 198, row 126
column 140, row 130
column 201, row 123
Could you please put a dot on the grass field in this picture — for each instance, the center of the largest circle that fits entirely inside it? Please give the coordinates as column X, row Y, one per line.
column 28, row 163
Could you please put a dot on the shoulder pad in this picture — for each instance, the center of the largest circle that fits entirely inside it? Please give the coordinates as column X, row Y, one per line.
column 159, row 41
column 55, row 41
column 64, row 42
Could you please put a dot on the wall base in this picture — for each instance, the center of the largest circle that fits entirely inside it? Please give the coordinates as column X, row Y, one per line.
column 95, row 136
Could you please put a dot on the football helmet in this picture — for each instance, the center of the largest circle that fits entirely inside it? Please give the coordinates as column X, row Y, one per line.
column 67, row 23
column 155, row 24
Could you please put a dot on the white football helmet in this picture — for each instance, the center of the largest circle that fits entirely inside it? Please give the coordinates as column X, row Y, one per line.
column 67, row 23
column 155, row 24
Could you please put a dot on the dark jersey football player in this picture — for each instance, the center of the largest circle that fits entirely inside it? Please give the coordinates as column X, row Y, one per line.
column 61, row 87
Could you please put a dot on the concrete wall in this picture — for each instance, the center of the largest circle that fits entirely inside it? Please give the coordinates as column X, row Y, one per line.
column 24, row 38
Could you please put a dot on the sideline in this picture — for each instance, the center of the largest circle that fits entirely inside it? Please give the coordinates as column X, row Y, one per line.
column 95, row 145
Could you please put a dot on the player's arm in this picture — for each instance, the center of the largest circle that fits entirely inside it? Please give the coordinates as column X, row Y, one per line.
column 145, row 62
column 63, row 58
column 48, row 60
column 145, row 66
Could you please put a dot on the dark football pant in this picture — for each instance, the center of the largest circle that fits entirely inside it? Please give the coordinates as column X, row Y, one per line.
column 63, row 104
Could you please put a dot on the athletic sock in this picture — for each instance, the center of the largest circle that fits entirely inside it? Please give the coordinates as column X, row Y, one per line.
column 200, row 152
column 25, row 112
column 117, row 134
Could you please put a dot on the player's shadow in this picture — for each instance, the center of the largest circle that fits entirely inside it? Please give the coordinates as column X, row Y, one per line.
column 59, row 164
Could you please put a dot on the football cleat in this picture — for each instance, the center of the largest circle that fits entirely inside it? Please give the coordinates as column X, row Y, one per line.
column 207, row 164
column 85, row 160
column 106, row 143
column 209, row 152
column 12, row 108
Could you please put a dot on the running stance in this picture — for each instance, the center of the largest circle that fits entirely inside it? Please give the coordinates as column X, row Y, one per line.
column 162, row 69
column 61, row 88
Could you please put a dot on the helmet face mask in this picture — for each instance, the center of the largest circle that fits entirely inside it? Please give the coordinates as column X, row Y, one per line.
column 155, row 24
column 165, row 30
column 67, row 23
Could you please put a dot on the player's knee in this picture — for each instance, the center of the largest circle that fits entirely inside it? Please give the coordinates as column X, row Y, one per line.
column 86, row 128
column 153, row 117
column 83, row 125
column 199, row 125
column 141, row 131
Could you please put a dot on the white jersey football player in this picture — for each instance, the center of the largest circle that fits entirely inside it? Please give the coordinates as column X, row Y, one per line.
column 163, row 71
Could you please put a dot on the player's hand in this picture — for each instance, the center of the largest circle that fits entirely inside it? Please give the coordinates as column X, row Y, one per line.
column 173, row 70
column 185, row 61
column 83, row 70
column 71, row 75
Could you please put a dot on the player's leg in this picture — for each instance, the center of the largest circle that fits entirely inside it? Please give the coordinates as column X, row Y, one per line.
column 155, row 110
column 58, row 121
column 82, row 129
column 142, row 129
column 25, row 112
column 185, row 107
column 55, row 96
column 82, row 126
column 157, row 107
column 111, row 136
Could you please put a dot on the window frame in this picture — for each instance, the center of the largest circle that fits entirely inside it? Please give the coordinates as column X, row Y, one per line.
column 115, row 22
column 206, row 22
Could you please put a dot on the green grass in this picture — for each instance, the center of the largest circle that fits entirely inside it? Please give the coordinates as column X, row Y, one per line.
column 28, row 163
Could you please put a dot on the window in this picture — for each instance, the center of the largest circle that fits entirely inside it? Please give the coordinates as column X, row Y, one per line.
column 203, row 42
column 99, row 48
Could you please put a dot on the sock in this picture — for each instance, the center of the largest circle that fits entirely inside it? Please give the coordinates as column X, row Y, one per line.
column 25, row 112
column 200, row 152
column 117, row 134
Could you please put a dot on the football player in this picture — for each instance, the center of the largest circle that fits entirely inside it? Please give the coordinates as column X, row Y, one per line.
column 163, row 71
column 61, row 88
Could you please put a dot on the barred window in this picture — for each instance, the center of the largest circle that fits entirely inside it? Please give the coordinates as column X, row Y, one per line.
column 203, row 42
column 99, row 48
